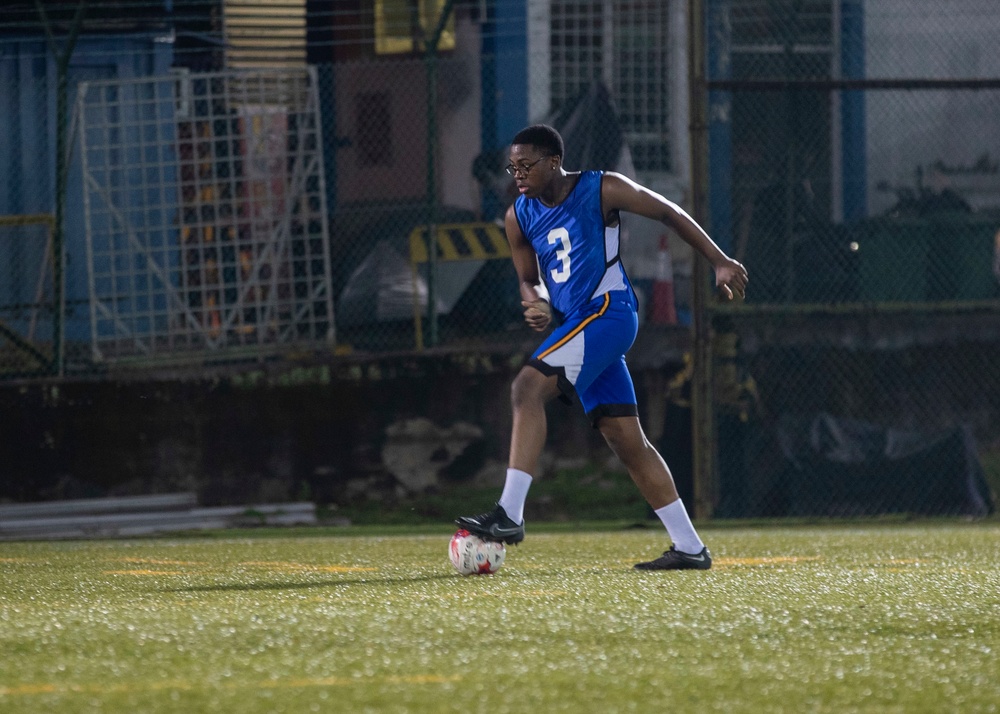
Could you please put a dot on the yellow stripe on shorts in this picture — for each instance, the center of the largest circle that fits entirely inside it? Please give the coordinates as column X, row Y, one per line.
column 578, row 329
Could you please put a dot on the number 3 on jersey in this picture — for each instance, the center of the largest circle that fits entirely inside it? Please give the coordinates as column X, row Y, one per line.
column 560, row 237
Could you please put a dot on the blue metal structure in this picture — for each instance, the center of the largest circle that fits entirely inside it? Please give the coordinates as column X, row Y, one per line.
column 28, row 162
column 511, row 61
column 852, row 110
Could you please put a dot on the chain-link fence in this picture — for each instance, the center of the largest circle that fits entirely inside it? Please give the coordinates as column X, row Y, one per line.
column 204, row 215
column 856, row 174
column 28, row 307
column 27, row 300
column 385, row 277
column 851, row 161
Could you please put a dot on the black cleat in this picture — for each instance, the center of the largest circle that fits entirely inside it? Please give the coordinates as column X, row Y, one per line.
column 673, row 559
column 493, row 525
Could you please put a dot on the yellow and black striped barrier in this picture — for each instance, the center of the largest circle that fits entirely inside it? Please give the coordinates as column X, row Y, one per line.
column 453, row 242
column 460, row 241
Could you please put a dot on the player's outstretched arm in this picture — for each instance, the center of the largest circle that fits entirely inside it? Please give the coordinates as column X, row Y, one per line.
column 620, row 193
column 537, row 311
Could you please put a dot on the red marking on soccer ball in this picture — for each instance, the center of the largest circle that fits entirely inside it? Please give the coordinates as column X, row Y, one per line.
column 471, row 555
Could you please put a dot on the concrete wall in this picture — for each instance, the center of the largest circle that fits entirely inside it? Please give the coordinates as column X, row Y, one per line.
column 324, row 432
column 347, row 430
column 398, row 88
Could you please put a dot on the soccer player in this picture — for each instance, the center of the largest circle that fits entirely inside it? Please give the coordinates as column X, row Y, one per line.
column 563, row 231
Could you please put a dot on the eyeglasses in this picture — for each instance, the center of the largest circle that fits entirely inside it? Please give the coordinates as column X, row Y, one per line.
column 523, row 169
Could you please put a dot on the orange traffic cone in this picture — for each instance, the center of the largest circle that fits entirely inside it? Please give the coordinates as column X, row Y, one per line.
column 664, row 310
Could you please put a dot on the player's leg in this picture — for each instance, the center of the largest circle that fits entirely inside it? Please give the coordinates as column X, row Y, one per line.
column 532, row 389
column 534, row 386
column 554, row 367
column 653, row 478
column 607, row 401
column 643, row 462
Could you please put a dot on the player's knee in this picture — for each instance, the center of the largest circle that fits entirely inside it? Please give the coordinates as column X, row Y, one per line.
column 613, row 434
column 529, row 387
column 626, row 441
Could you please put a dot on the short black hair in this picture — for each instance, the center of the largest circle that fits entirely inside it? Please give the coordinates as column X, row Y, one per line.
column 543, row 136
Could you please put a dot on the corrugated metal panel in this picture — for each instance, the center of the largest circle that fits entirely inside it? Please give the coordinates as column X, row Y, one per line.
column 265, row 33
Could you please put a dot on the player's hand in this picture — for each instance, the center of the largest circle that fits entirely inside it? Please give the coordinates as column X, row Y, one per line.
column 537, row 313
column 731, row 279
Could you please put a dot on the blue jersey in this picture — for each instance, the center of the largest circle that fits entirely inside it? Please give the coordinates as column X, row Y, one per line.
column 577, row 254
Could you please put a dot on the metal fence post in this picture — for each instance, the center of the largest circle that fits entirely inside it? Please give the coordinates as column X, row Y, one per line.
column 703, row 431
column 432, row 218
column 62, row 169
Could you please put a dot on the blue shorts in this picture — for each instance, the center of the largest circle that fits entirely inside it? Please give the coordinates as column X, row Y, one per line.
column 587, row 353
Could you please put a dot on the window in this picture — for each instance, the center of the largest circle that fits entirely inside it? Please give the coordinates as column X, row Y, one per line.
column 625, row 44
column 641, row 80
column 578, row 56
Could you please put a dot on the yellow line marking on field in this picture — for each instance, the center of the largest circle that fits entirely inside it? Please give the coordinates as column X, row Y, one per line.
column 48, row 688
column 28, row 689
column 344, row 681
column 340, row 568
column 526, row 593
column 776, row 560
column 583, row 567
column 15, row 560
column 160, row 561
column 280, row 566
column 298, row 567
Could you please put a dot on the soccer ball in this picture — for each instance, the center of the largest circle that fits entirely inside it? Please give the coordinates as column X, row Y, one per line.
column 471, row 555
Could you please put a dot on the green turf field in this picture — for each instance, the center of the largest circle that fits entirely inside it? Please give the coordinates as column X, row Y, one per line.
column 900, row 618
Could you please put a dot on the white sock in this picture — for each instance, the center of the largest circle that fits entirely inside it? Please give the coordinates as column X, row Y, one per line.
column 515, row 492
column 678, row 525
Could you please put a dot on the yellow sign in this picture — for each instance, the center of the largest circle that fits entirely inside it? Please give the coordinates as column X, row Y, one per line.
column 461, row 241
